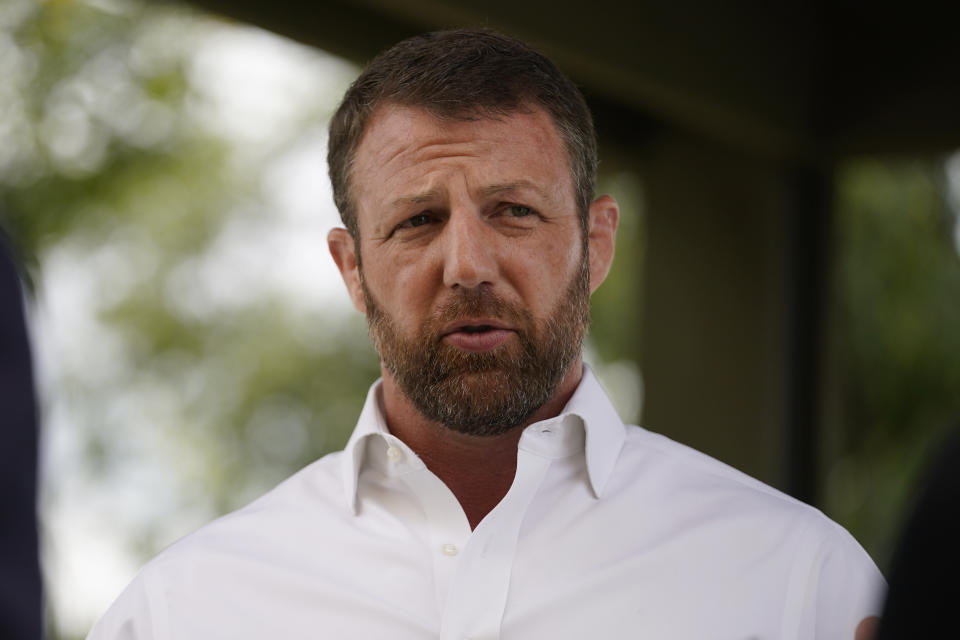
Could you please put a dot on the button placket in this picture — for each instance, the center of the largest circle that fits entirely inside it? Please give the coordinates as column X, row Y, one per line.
column 485, row 565
column 448, row 530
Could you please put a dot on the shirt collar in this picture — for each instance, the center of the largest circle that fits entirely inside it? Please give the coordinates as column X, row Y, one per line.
column 604, row 433
column 370, row 423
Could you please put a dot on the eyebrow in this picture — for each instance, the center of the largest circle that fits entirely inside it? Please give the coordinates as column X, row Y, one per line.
column 512, row 186
column 493, row 189
column 417, row 198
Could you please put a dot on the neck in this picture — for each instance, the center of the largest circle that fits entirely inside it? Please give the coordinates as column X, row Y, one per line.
column 477, row 469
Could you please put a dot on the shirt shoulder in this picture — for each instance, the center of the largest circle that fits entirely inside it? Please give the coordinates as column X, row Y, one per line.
column 307, row 497
column 684, row 478
column 828, row 581
column 688, row 471
column 270, row 532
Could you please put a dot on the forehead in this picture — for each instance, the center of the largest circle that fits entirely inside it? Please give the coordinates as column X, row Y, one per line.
column 408, row 148
column 392, row 122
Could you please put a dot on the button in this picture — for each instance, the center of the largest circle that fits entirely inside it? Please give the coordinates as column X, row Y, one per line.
column 394, row 454
column 449, row 549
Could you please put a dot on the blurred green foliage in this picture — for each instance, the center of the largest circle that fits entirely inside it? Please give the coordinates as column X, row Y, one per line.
column 161, row 199
column 106, row 169
column 896, row 307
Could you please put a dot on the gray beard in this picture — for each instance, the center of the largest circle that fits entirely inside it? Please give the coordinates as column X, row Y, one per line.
column 489, row 393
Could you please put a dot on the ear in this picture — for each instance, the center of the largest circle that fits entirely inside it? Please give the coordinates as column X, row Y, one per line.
column 604, row 216
column 343, row 250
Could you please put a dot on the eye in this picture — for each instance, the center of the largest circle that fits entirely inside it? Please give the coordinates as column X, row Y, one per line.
column 416, row 221
column 519, row 211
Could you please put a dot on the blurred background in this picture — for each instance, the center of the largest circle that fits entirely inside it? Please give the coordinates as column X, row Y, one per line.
column 785, row 295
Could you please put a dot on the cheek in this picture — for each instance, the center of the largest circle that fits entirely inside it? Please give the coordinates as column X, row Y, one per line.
column 402, row 290
column 556, row 265
column 540, row 283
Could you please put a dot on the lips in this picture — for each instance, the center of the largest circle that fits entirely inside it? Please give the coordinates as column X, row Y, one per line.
column 476, row 335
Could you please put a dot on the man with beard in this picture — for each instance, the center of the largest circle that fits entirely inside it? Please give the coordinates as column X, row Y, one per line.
column 489, row 489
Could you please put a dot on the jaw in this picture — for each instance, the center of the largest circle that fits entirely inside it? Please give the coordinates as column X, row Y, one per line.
column 406, row 422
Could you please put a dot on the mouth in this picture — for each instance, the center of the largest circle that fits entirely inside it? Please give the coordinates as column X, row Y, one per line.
column 472, row 326
column 476, row 335
column 475, row 328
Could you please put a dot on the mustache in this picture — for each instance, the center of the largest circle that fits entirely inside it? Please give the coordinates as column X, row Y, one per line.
column 479, row 302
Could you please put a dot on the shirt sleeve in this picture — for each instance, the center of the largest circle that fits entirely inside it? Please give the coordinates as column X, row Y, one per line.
column 138, row 614
column 844, row 587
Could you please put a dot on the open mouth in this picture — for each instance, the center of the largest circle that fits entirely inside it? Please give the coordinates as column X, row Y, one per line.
column 479, row 328
column 478, row 336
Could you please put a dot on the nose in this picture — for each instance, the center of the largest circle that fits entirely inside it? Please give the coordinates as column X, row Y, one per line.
column 469, row 252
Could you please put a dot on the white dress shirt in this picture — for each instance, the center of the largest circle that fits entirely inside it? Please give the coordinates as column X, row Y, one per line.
column 608, row 531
